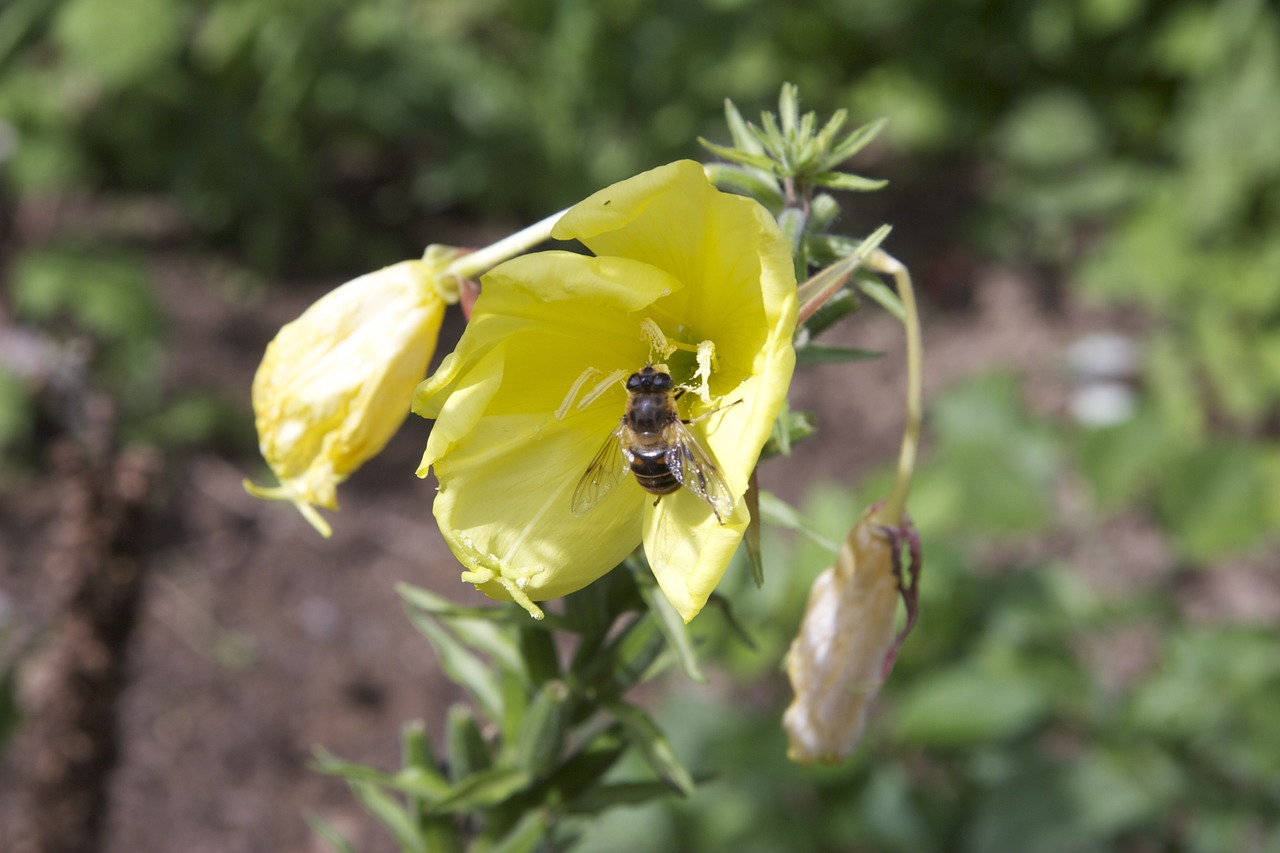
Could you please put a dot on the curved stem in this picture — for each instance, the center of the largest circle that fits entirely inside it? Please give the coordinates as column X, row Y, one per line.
column 472, row 264
column 892, row 511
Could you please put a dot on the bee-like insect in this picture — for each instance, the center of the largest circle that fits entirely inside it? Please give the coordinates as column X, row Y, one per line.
column 654, row 443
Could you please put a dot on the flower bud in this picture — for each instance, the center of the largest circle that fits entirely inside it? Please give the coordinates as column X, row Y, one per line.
column 335, row 384
column 846, row 645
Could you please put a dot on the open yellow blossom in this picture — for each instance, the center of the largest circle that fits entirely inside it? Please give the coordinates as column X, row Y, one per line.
column 335, row 384
column 684, row 276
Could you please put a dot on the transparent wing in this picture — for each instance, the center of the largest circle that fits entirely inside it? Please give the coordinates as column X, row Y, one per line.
column 606, row 470
column 693, row 468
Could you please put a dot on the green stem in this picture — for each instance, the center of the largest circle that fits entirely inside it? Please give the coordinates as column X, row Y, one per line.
column 473, row 264
column 892, row 511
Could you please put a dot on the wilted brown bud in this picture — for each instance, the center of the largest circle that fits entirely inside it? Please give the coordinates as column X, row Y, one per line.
column 847, row 642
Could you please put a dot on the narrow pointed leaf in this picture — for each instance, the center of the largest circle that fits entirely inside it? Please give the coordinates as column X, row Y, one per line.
column 748, row 181
column 736, row 628
column 882, row 294
column 462, row 666
column 735, row 155
column 777, row 511
column 415, row 781
column 755, row 556
column 525, row 837
column 826, row 136
column 542, row 731
column 846, row 181
column 477, row 631
column 653, row 745
column 331, row 836
column 789, row 106
column 743, row 138
column 824, row 284
column 674, row 629
column 816, row 353
column 841, row 304
column 391, row 815
column 854, row 142
column 603, row 797
column 464, row 744
column 505, row 614
column 483, row 790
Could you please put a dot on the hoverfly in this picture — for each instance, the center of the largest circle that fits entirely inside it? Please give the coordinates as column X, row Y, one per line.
column 654, row 443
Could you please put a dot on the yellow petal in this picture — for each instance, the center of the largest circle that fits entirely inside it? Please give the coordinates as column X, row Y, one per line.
column 335, row 384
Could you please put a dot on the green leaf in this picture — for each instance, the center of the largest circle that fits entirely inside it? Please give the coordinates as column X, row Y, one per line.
column 882, row 295
column 743, row 138
column 441, row 607
column 733, row 155
column 846, row 181
column 330, row 835
column 777, row 511
column 653, row 745
column 828, row 354
column 483, row 790
column 415, row 781
column 853, row 143
column 463, row 668
column 674, row 629
column 465, row 744
column 542, row 731
column 391, row 814
column 525, row 837
column 749, row 182
column 603, row 797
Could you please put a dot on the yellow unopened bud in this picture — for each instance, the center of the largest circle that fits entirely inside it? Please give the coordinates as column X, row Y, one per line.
column 335, row 384
column 846, row 644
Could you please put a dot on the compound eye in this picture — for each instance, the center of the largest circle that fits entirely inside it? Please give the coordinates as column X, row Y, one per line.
column 663, row 382
column 635, row 382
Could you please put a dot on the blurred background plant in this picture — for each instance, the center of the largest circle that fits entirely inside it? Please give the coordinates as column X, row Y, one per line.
column 1113, row 153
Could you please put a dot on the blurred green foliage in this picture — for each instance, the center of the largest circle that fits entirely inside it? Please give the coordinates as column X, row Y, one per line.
column 1027, row 712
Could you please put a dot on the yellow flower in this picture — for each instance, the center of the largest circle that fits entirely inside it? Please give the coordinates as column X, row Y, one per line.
column 683, row 275
column 335, row 384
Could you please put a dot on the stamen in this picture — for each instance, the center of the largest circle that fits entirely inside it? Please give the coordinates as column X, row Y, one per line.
column 707, row 363
column 660, row 346
column 573, row 391
column 601, row 387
